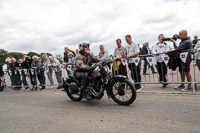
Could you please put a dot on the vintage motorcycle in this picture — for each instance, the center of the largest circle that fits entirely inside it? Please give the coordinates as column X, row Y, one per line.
column 118, row 87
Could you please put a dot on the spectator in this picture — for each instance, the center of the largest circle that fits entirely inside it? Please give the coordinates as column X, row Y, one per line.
column 139, row 47
column 119, row 53
column 194, row 42
column 48, row 69
column 132, row 50
column 66, row 58
column 9, row 66
column 184, row 68
column 145, row 51
column 197, row 55
column 55, row 64
column 67, row 50
column 27, row 61
column 15, row 74
column 71, row 58
column 38, row 72
column 103, row 54
column 2, row 80
column 77, row 51
column 159, row 49
column 23, row 73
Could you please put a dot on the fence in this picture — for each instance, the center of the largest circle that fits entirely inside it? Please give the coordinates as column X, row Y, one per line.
column 169, row 60
column 123, row 68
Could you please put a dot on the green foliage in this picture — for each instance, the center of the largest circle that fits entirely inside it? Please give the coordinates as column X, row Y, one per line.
column 59, row 57
column 31, row 54
column 3, row 56
column 18, row 55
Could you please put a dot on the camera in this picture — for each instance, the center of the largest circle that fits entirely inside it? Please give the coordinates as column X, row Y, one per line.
column 175, row 37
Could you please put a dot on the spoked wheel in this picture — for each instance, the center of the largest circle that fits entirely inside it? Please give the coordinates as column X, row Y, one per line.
column 73, row 94
column 123, row 92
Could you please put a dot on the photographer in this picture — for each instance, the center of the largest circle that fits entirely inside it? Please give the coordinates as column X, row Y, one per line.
column 184, row 68
column 159, row 48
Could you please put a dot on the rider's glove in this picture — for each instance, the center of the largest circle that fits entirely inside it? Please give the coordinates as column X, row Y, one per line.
column 90, row 68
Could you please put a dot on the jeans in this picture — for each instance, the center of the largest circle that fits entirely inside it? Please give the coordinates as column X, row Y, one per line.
column 59, row 77
column 49, row 74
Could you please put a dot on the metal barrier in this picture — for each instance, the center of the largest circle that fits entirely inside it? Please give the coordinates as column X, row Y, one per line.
column 164, row 75
column 122, row 67
column 29, row 75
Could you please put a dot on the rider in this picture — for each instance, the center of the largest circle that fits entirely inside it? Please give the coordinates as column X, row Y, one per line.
column 83, row 62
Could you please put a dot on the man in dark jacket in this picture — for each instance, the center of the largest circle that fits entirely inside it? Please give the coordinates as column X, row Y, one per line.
column 66, row 58
column 145, row 51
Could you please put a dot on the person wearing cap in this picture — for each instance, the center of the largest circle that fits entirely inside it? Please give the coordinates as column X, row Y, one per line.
column 71, row 58
column 67, row 50
column 82, row 64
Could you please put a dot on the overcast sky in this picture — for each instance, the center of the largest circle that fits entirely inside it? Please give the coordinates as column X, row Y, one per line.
column 49, row 25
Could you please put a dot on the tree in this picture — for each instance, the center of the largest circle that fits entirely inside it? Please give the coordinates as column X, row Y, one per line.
column 59, row 57
column 3, row 56
column 31, row 54
column 16, row 55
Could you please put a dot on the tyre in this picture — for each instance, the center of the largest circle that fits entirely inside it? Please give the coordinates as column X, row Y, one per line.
column 72, row 92
column 123, row 92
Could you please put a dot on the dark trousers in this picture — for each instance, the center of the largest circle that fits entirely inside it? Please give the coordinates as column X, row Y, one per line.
column 16, row 79
column 162, row 71
column 135, row 74
column 40, row 75
column 145, row 66
column 32, row 77
column 24, row 81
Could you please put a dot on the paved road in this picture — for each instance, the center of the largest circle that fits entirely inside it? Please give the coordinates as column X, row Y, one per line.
column 50, row 111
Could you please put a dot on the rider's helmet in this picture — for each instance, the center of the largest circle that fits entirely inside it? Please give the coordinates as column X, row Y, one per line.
column 84, row 44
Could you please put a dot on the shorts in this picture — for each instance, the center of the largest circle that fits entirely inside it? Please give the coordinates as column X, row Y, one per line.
column 184, row 68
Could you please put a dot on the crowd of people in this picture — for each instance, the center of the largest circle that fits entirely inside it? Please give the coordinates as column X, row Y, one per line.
column 34, row 68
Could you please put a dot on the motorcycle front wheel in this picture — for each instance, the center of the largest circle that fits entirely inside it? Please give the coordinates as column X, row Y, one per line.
column 123, row 92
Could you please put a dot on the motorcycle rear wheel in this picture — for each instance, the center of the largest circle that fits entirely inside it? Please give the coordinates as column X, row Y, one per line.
column 73, row 94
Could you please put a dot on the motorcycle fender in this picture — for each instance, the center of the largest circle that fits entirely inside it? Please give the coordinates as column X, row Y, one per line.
column 116, row 77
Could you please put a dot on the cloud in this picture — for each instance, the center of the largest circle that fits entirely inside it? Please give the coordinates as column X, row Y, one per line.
column 48, row 26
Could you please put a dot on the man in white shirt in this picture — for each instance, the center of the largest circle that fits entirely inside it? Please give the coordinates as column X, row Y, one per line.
column 103, row 54
column 161, row 47
column 132, row 50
